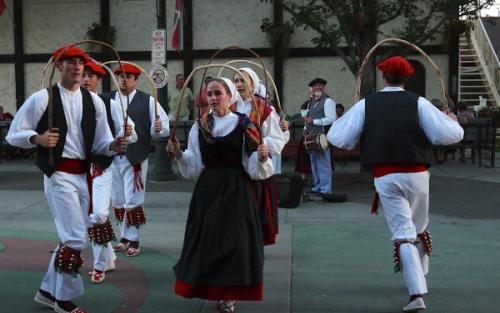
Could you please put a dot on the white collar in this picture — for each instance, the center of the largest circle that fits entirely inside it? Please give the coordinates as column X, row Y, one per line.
column 392, row 88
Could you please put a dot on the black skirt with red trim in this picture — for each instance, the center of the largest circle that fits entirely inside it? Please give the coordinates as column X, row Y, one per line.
column 222, row 256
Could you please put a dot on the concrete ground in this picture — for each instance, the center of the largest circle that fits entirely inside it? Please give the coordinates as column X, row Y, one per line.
column 329, row 257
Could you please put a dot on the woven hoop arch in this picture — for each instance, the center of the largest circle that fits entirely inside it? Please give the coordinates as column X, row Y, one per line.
column 50, row 100
column 407, row 43
column 266, row 73
column 188, row 79
column 237, row 48
column 154, row 92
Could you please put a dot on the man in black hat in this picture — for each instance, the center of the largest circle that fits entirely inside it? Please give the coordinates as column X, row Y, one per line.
column 318, row 117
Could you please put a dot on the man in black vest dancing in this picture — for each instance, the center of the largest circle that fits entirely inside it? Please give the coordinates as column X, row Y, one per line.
column 63, row 154
column 100, row 229
column 129, row 176
column 396, row 129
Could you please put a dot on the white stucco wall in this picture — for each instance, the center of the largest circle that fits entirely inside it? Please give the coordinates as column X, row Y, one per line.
column 8, row 88
column 32, row 75
column 50, row 24
column 7, row 29
column 135, row 20
column 218, row 24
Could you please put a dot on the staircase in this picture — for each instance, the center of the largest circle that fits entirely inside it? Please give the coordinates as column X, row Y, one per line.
column 479, row 68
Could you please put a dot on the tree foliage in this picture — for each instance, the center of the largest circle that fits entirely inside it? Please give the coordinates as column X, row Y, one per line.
column 351, row 27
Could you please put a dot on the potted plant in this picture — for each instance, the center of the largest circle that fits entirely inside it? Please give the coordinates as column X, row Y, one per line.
column 104, row 33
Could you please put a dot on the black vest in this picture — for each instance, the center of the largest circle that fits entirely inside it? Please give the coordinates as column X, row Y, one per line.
column 392, row 132
column 88, row 125
column 138, row 110
column 104, row 161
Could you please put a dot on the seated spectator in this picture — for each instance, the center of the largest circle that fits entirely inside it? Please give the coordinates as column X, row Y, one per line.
column 5, row 116
column 464, row 116
column 339, row 108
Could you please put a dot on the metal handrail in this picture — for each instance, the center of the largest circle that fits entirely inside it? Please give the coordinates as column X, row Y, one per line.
column 487, row 57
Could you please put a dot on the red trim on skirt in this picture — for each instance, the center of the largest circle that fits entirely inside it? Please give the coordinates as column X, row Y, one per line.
column 215, row 293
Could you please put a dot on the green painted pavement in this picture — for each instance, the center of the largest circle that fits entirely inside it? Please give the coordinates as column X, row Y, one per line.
column 340, row 267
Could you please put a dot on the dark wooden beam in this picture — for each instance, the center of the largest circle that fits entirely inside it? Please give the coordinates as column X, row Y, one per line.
column 187, row 38
column 278, row 58
column 19, row 52
column 105, row 20
column 7, row 58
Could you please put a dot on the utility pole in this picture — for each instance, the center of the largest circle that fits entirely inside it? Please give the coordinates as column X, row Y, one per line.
column 162, row 170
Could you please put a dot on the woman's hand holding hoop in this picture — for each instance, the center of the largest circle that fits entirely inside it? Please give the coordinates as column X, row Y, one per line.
column 174, row 148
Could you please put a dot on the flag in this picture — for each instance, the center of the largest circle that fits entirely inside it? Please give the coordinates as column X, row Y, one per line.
column 2, row 6
column 176, row 35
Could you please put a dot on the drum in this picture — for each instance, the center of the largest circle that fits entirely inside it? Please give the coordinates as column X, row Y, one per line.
column 315, row 142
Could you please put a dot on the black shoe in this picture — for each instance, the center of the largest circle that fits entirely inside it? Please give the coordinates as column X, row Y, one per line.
column 45, row 298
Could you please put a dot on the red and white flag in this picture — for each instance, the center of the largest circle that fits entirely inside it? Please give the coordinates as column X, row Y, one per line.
column 176, row 35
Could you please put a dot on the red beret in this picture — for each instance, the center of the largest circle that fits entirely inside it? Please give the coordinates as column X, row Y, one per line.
column 70, row 52
column 128, row 69
column 99, row 71
column 396, row 65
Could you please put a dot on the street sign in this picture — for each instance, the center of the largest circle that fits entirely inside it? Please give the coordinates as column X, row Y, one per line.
column 159, row 47
column 159, row 75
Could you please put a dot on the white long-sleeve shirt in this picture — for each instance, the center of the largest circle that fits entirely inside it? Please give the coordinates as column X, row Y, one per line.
column 271, row 132
column 165, row 128
column 330, row 113
column 26, row 120
column 191, row 165
column 438, row 127
column 118, row 116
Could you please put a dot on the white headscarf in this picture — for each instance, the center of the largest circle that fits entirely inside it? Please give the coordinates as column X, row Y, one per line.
column 253, row 77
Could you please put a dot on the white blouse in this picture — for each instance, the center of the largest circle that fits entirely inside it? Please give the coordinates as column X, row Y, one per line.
column 438, row 127
column 26, row 120
column 191, row 165
column 165, row 128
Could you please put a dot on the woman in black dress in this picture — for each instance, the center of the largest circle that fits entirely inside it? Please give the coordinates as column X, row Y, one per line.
column 222, row 256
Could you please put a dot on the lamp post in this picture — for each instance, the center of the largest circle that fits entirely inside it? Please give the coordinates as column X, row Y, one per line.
column 162, row 170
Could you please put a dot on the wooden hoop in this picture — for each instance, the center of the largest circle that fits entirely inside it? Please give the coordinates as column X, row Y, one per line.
column 154, row 91
column 228, row 48
column 205, row 67
column 365, row 62
column 266, row 72
column 50, row 100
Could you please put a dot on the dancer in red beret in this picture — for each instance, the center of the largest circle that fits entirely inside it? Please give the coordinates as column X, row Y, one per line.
column 101, row 173
column 78, row 131
column 396, row 129
column 129, row 176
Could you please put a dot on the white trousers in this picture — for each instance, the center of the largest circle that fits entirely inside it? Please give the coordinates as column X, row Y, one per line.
column 68, row 199
column 124, row 196
column 104, row 256
column 405, row 199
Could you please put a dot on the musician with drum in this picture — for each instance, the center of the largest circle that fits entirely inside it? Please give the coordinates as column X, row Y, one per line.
column 318, row 117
